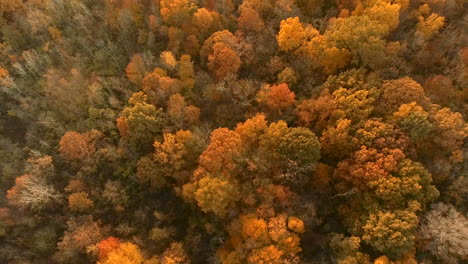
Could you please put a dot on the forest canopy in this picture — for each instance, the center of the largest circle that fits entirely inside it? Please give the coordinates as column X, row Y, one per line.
column 233, row 131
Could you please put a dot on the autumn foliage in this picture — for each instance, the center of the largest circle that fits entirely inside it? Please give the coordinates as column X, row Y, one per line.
column 233, row 131
column 76, row 146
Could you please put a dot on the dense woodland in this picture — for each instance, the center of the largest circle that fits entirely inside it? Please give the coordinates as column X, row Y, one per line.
column 233, row 132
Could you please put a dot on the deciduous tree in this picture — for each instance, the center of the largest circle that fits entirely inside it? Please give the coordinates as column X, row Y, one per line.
column 76, row 146
column 445, row 229
column 136, row 69
column 79, row 202
column 216, row 195
column 414, row 121
column 249, row 20
column 291, row 35
column 219, row 156
column 125, row 253
column 176, row 12
column 276, row 97
column 401, row 91
column 391, row 232
column 223, row 61
column 175, row 254
column 107, row 245
column 32, row 192
column 143, row 122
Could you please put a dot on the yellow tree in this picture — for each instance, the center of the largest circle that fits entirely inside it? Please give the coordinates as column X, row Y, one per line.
column 216, row 195
column 291, row 35
column 125, row 253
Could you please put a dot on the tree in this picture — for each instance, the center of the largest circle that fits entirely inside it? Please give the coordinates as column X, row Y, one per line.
column 106, row 246
column 136, row 69
column 291, row 35
column 223, row 36
column 385, row 13
column 367, row 165
column 168, row 60
column 249, row 20
column 450, row 131
column 76, row 146
column 251, row 130
column 346, row 249
column 362, row 36
column 115, row 194
column 276, row 97
column 322, row 52
column 269, row 140
column 125, row 253
column 391, row 232
column 300, row 145
column 10, row 5
column 186, row 73
column 296, row 225
column 414, row 121
column 316, row 113
column 338, row 141
column 445, row 229
column 143, row 122
column 148, row 171
column 180, row 113
column 32, row 192
column 353, row 105
column 288, row 76
column 205, row 22
column 440, row 89
column 429, row 26
column 157, row 86
column 412, row 182
column 223, row 61
column 79, row 202
column 219, row 156
column 256, row 240
column 176, row 12
column 379, row 135
column 270, row 255
column 216, row 195
column 175, row 254
column 401, row 91
column 176, row 156
column 162, row 236
column 81, row 233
